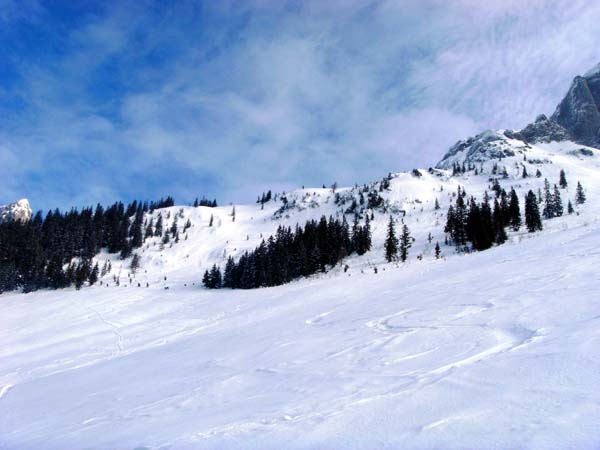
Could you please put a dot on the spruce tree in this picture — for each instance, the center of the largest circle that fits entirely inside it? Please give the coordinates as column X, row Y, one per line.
column 548, row 211
column 533, row 220
column 135, row 263
column 438, row 250
column 557, row 206
column 405, row 243
column 93, row 278
column 570, row 209
column 158, row 230
column 562, row 179
column 580, row 195
column 391, row 242
column 498, row 224
column 149, row 229
column 514, row 211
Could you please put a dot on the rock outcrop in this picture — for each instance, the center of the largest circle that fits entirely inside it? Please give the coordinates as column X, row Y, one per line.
column 579, row 111
column 542, row 130
column 20, row 210
column 483, row 147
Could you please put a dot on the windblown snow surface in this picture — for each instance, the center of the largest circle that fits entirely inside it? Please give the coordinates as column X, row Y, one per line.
column 491, row 350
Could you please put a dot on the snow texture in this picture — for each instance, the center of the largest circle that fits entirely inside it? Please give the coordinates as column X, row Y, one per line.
column 19, row 210
column 491, row 350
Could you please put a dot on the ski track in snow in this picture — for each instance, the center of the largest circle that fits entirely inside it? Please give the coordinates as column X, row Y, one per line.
column 493, row 350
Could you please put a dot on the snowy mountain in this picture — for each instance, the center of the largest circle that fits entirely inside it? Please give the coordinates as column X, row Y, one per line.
column 493, row 349
column 20, row 210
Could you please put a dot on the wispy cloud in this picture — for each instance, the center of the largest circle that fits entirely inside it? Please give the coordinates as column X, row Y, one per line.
column 230, row 98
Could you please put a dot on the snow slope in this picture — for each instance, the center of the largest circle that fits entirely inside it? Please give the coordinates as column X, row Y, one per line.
column 493, row 350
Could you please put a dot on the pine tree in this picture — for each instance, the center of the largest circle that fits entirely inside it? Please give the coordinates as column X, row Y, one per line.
column 524, row 174
column 391, row 242
column 173, row 228
column 149, row 229
column 533, row 220
column 498, row 224
column 570, row 209
column 228, row 275
column 215, row 277
column 437, row 205
column 580, row 195
column 557, row 206
column 514, row 210
column 405, row 243
column 135, row 263
column 137, row 234
column 562, row 179
column 438, row 250
column 548, row 211
column 93, row 278
column 158, row 230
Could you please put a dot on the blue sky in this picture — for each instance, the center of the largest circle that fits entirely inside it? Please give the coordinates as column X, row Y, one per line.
column 101, row 101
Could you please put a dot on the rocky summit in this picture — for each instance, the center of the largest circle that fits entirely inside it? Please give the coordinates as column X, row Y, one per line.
column 20, row 210
column 579, row 111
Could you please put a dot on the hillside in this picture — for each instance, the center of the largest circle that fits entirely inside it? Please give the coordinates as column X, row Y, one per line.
column 496, row 349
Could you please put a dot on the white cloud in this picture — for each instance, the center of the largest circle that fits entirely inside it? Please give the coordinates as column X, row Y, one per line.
column 272, row 95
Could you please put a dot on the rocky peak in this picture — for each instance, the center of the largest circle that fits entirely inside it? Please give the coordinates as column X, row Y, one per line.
column 485, row 146
column 543, row 130
column 20, row 210
column 579, row 111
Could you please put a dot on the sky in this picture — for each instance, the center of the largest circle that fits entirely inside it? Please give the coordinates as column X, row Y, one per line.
column 120, row 100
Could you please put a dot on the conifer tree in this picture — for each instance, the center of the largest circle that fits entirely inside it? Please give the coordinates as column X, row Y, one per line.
column 158, row 230
column 135, row 263
column 391, row 242
column 557, row 206
column 149, row 229
column 570, row 209
column 173, row 228
column 514, row 210
column 137, row 238
column 533, row 220
column 438, row 250
column 562, row 179
column 548, row 211
column 93, row 278
column 405, row 243
column 580, row 195
column 498, row 224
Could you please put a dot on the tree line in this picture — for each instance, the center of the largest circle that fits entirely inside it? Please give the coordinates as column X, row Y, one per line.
column 483, row 225
column 56, row 251
column 289, row 255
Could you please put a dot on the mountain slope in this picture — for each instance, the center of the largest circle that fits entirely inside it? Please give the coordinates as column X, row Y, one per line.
column 492, row 350
column 496, row 349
